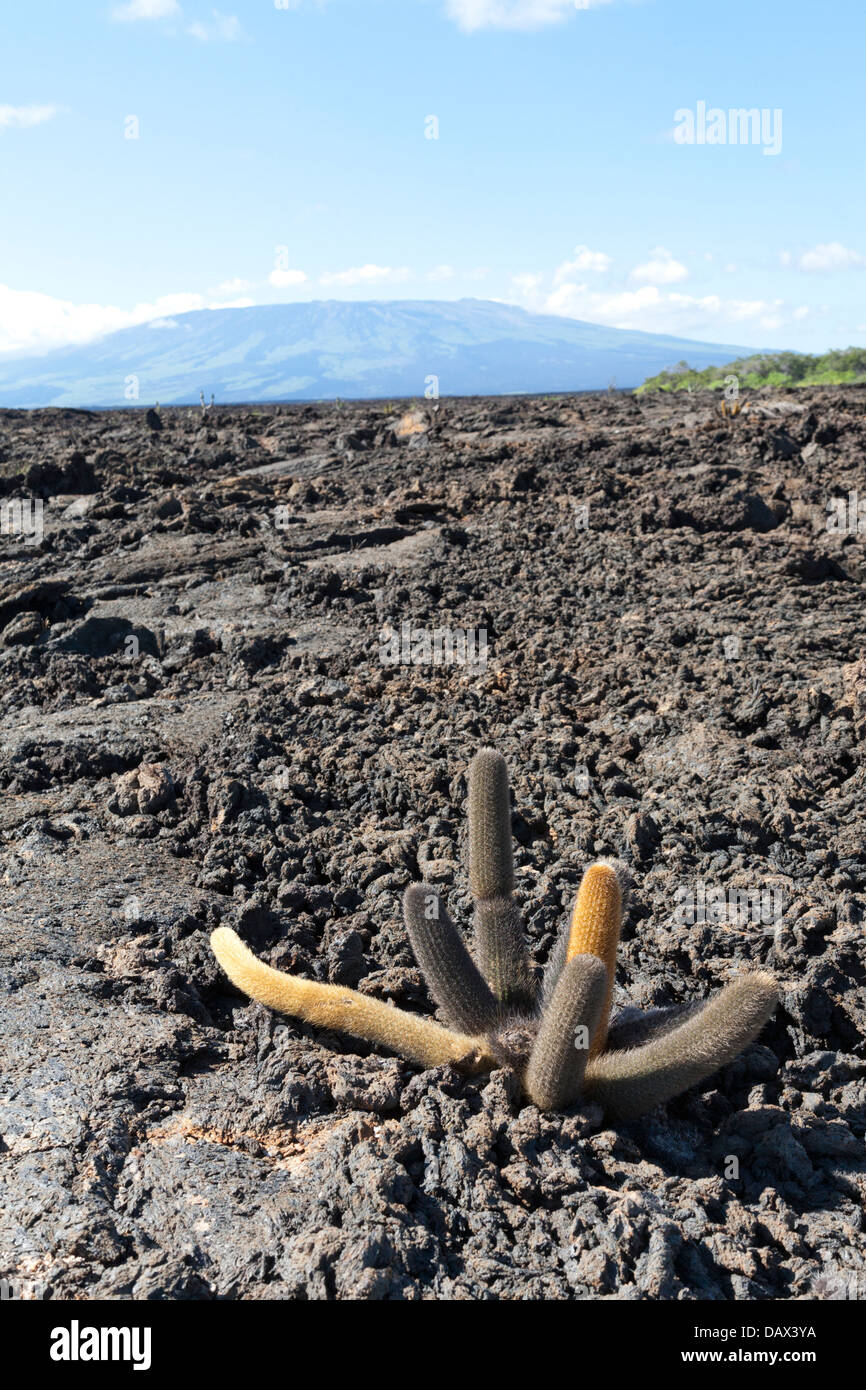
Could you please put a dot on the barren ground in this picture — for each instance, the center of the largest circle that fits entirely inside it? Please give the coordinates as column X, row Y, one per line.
column 197, row 728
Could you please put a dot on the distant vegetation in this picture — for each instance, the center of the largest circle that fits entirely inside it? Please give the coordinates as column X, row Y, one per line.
column 767, row 369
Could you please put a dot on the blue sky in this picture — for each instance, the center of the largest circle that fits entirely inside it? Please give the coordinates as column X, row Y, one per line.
column 283, row 153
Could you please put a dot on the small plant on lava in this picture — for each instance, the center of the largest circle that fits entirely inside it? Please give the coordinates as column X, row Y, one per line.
column 557, row 1035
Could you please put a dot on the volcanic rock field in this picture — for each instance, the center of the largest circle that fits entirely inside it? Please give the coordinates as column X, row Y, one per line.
column 197, row 727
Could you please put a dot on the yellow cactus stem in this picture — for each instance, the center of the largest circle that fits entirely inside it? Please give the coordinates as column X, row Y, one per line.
column 595, row 928
column 331, row 1006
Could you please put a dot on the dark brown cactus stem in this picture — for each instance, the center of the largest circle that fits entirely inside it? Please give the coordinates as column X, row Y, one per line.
column 499, row 940
column 627, row 1084
column 452, row 976
column 491, row 865
column 559, row 1056
column 500, row 948
column 634, row 1028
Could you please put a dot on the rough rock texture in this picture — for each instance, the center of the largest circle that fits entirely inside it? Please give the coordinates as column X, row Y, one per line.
column 197, row 728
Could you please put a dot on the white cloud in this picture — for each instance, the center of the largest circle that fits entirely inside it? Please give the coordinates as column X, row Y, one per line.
column 584, row 260
column 34, row 322
column 661, row 269
column 285, row 279
column 365, row 275
column 24, row 116
column 145, row 9
column 440, row 272
column 224, row 27
column 514, row 14
column 740, row 309
column 830, row 255
column 654, row 310
column 527, row 282
column 802, row 311
column 577, row 301
column 242, row 303
column 237, row 286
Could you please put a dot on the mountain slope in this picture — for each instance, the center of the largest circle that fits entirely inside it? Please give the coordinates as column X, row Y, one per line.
column 331, row 348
